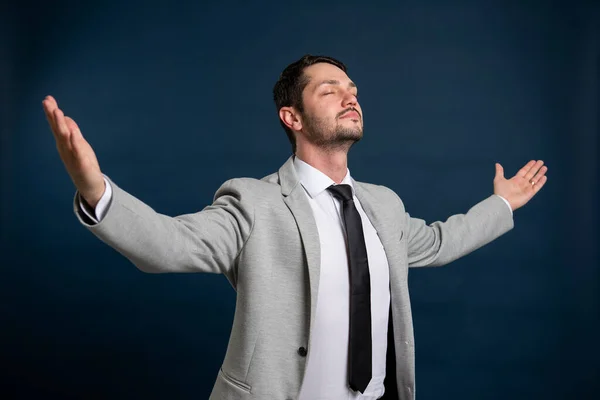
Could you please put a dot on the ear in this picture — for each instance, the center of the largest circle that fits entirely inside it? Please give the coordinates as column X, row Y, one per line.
column 291, row 118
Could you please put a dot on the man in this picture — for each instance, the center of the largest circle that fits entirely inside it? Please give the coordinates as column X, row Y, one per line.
column 319, row 261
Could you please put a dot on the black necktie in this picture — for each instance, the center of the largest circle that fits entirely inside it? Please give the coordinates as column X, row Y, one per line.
column 359, row 347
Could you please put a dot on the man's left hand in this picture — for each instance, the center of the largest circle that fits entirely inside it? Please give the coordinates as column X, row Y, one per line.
column 519, row 189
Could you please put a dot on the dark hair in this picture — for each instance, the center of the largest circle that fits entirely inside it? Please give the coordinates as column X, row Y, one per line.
column 291, row 83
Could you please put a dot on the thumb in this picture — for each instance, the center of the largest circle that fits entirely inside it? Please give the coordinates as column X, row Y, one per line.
column 499, row 172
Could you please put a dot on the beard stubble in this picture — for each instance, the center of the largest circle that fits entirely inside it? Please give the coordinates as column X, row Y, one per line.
column 331, row 138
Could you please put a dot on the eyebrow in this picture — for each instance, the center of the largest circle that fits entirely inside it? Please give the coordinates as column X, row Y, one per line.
column 334, row 82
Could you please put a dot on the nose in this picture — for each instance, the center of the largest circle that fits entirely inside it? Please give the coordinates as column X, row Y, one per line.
column 350, row 99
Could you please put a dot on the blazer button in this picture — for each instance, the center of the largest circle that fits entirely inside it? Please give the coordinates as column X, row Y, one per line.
column 302, row 351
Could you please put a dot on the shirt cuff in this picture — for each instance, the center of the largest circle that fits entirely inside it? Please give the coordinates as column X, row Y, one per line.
column 99, row 212
column 507, row 203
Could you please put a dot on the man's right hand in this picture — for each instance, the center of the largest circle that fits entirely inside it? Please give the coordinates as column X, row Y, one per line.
column 76, row 153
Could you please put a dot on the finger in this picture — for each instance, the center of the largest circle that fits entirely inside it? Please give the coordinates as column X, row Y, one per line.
column 75, row 136
column 523, row 171
column 49, row 105
column 539, row 185
column 539, row 174
column 72, row 126
column 51, row 99
column 50, row 102
column 533, row 170
column 61, row 125
column 74, row 143
column 499, row 172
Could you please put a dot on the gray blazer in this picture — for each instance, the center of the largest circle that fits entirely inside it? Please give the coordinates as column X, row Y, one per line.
column 261, row 235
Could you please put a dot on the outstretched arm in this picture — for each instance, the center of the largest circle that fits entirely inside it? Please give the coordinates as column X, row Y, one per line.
column 442, row 242
column 206, row 241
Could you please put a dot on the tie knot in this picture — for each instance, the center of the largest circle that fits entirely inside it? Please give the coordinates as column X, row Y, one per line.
column 342, row 191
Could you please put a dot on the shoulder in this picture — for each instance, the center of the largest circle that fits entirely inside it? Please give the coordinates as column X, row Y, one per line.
column 249, row 188
column 379, row 192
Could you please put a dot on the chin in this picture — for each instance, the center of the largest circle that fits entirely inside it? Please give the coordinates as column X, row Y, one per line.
column 348, row 134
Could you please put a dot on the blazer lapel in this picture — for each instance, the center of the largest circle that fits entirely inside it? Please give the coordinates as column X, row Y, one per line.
column 296, row 200
column 378, row 219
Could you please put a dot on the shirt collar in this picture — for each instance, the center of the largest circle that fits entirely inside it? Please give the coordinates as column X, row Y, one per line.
column 314, row 181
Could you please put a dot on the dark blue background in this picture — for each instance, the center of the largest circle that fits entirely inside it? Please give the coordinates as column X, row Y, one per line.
column 176, row 98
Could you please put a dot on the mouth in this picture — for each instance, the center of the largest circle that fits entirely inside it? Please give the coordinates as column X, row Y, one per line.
column 351, row 115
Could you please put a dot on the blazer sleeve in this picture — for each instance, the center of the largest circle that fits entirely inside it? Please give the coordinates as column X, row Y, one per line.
column 442, row 242
column 206, row 241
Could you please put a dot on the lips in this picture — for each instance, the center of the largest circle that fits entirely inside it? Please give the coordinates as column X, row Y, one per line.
column 351, row 114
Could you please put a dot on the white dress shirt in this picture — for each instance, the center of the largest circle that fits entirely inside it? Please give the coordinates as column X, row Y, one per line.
column 326, row 375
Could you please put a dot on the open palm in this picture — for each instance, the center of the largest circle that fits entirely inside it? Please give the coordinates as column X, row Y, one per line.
column 519, row 189
column 75, row 152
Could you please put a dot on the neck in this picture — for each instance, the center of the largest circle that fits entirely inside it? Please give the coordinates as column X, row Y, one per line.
column 334, row 164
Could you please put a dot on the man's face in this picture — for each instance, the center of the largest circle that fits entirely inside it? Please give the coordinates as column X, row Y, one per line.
column 332, row 116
